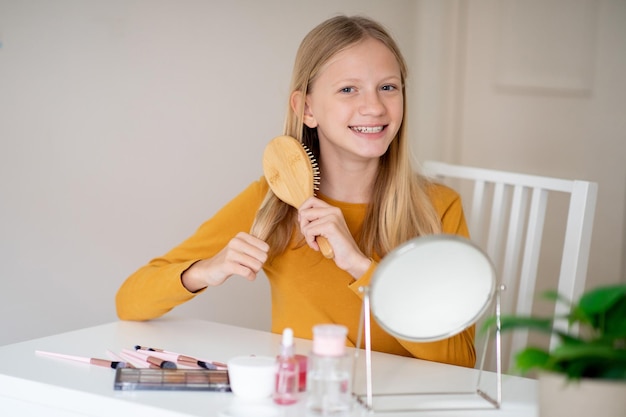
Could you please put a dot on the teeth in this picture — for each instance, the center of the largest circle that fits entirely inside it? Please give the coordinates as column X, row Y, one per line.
column 367, row 129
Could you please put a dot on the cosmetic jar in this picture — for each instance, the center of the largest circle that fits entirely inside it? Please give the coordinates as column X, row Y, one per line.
column 329, row 381
column 252, row 377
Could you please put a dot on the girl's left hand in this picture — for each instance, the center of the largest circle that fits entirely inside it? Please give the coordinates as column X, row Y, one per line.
column 317, row 218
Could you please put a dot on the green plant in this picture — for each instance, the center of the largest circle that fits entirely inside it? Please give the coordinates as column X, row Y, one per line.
column 599, row 349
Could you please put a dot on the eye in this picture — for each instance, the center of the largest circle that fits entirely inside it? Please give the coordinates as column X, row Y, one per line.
column 389, row 87
column 347, row 90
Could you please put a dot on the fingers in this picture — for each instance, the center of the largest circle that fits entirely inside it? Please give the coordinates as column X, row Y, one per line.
column 249, row 246
column 244, row 255
column 317, row 218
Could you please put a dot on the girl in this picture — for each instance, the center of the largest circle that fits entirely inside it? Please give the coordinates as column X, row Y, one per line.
column 347, row 104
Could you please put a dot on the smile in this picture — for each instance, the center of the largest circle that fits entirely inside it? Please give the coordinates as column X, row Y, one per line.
column 367, row 129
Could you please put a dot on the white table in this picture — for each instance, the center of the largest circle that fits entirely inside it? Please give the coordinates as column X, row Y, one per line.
column 33, row 385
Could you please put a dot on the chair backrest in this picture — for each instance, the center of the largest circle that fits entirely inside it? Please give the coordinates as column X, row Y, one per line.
column 506, row 214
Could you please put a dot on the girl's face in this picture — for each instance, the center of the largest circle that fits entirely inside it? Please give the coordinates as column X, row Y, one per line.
column 356, row 102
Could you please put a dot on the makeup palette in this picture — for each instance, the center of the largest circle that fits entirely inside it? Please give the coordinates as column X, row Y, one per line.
column 127, row 379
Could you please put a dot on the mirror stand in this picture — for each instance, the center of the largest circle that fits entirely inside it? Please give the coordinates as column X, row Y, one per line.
column 476, row 399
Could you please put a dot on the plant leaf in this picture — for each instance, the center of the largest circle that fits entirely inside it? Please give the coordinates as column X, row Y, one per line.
column 615, row 320
column 614, row 373
column 553, row 295
column 536, row 323
column 569, row 351
column 599, row 300
column 512, row 322
column 532, row 358
column 600, row 351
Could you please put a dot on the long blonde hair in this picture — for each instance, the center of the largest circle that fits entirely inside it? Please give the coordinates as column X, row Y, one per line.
column 400, row 208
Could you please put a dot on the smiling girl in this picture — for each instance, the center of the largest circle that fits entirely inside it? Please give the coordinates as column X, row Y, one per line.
column 348, row 105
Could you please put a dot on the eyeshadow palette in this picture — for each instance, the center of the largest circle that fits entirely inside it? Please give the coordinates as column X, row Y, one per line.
column 127, row 379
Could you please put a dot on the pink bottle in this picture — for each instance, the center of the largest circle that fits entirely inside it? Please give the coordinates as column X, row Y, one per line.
column 287, row 372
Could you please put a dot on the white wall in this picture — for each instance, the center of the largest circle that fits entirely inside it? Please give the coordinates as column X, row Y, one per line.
column 536, row 87
column 542, row 90
column 123, row 126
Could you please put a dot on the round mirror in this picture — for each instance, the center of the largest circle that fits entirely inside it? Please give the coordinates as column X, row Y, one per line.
column 432, row 287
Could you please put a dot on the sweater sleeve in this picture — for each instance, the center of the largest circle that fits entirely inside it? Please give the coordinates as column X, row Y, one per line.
column 458, row 349
column 156, row 288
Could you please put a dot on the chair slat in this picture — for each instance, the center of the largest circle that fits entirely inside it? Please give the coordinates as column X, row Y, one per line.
column 577, row 245
column 521, row 239
column 513, row 249
column 478, row 208
column 496, row 225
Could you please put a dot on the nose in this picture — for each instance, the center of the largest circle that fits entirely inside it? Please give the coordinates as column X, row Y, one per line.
column 372, row 104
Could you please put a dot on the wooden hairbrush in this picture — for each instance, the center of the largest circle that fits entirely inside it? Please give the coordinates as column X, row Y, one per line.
column 293, row 175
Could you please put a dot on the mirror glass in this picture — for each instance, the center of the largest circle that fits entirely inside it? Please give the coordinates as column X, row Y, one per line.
column 432, row 287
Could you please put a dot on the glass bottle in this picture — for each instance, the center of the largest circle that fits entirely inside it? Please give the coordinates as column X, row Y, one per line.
column 329, row 374
column 286, row 389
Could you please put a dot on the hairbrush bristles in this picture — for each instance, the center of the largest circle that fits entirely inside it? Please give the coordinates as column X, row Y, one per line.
column 315, row 166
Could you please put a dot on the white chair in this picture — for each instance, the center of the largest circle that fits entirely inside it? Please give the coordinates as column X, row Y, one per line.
column 506, row 214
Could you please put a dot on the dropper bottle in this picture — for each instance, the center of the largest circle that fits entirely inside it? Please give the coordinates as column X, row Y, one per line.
column 286, row 390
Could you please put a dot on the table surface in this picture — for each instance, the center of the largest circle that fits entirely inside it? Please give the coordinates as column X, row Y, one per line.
column 31, row 384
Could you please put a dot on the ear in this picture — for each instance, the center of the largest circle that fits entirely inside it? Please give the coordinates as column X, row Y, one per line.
column 297, row 101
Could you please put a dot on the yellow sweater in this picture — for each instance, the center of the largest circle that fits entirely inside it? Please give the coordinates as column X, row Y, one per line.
column 307, row 289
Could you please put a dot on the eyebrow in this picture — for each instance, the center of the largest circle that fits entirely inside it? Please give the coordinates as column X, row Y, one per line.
column 392, row 78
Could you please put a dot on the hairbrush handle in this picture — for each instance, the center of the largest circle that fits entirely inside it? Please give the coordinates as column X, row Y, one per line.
column 325, row 247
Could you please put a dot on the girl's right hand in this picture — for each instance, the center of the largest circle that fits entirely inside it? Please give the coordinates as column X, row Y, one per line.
column 244, row 255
